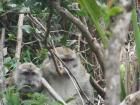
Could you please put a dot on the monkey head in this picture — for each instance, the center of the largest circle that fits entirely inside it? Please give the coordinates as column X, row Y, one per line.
column 28, row 78
column 68, row 56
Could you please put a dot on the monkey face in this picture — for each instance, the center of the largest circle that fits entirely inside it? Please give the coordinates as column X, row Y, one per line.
column 68, row 56
column 28, row 78
column 31, row 81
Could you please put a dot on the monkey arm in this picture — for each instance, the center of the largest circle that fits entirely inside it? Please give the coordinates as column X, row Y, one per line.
column 52, row 91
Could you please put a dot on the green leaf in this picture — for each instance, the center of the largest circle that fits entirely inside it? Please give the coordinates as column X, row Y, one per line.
column 12, row 97
column 26, row 56
column 11, row 37
column 92, row 7
column 136, row 34
column 1, row 7
column 122, row 75
column 37, row 31
column 81, row 13
column 94, row 11
column 43, row 53
column 36, row 99
column 25, row 9
column 27, row 28
column 12, row 5
column 115, row 10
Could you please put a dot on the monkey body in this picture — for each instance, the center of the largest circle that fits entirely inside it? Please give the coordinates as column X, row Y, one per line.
column 63, row 85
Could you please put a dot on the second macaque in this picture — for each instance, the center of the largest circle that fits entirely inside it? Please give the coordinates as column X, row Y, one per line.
column 62, row 83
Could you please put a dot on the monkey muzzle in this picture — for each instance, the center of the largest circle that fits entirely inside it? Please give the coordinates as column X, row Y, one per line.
column 30, row 88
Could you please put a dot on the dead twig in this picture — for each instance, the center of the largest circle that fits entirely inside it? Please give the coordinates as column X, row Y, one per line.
column 19, row 36
column 98, row 88
column 2, row 81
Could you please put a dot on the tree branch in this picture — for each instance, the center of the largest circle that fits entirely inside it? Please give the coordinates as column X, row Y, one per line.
column 112, row 64
column 19, row 36
column 2, row 81
column 98, row 88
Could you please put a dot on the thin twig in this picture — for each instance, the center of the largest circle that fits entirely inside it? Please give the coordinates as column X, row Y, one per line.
column 55, row 63
column 98, row 88
column 48, row 26
column 30, row 42
column 35, row 21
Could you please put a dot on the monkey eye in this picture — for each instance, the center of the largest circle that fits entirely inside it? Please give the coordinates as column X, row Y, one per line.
column 25, row 73
column 33, row 73
column 28, row 73
column 67, row 60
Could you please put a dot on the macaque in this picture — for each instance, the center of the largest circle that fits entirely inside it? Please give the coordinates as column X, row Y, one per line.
column 27, row 78
column 63, row 84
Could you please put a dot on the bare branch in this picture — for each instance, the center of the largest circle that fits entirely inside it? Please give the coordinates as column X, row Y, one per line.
column 2, row 83
column 19, row 36
column 48, row 26
column 98, row 88
column 36, row 21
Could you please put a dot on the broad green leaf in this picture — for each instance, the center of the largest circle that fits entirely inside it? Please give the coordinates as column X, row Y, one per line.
column 136, row 34
column 92, row 7
column 115, row 10
column 108, row 12
column 11, row 37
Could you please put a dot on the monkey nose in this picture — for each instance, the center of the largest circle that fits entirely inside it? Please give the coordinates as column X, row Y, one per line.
column 29, row 81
